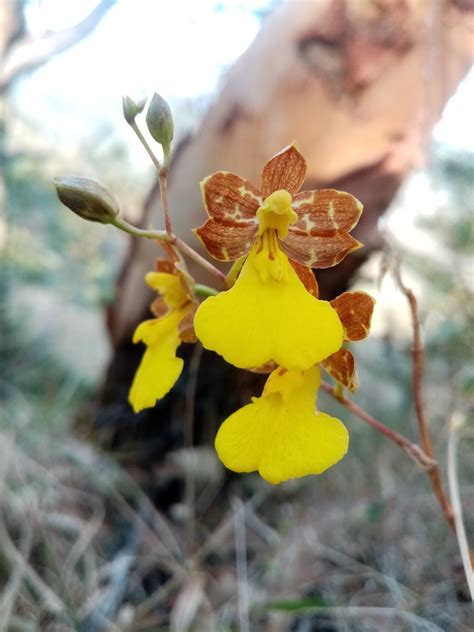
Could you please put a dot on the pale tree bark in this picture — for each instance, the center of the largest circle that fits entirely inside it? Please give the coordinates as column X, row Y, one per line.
column 357, row 84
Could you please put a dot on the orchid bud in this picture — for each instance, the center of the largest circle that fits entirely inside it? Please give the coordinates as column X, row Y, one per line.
column 131, row 109
column 87, row 198
column 160, row 122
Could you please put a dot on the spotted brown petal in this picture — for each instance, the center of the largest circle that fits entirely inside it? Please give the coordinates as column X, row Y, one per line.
column 286, row 170
column 355, row 313
column 318, row 251
column 227, row 242
column 306, row 276
column 341, row 366
column 326, row 212
column 230, row 198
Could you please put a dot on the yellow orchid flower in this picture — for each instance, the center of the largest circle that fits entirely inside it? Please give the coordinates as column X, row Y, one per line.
column 268, row 315
column 160, row 368
column 272, row 314
column 280, row 434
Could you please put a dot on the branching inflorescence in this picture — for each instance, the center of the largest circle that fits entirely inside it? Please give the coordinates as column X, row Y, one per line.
column 265, row 315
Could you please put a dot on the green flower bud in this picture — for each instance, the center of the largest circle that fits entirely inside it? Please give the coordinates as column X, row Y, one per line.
column 160, row 122
column 87, row 198
column 131, row 109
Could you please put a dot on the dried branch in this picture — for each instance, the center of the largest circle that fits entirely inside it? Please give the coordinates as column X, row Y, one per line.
column 28, row 53
column 417, row 387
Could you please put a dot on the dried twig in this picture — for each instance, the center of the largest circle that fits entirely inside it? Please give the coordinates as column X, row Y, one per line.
column 456, row 503
column 418, row 362
column 413, row 450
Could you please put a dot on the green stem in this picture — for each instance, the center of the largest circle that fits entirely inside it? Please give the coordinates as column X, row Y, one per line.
column 204, row 290
column 160, row 235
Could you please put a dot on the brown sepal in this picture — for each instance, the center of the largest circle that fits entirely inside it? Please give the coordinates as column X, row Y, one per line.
column 306, row 276
column 341, row 366
column 355, row 311
column 227, row 242
column 326, row 212
column 286, row 170
column 229, row 198
column 318, row 251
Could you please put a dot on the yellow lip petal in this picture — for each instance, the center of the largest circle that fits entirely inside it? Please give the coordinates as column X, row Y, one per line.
column 159, row 368
column 263, row 318
column 280, row 434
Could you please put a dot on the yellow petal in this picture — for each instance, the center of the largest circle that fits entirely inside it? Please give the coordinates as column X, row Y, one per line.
column 268, row 317
column 170, row 286
column 159, row 368
column 280, row 434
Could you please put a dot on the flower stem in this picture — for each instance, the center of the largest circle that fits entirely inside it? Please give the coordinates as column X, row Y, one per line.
column 204, row 263
column 412, row 449
column 163, row 178
column 124, row 226
column 161, row 235
column 147, row 147
column 204, row 290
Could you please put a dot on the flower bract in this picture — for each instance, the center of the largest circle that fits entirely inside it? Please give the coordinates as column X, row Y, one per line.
column 281, row 434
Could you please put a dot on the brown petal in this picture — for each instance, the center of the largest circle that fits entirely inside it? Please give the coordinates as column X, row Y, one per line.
column 230, row 198
column 341, row 366
column 326, row 211
column 186, row 328
column 317, row 251
column 227, row 242
column 268, row 367
column 306, row 276
column 165, row 265
column 286, row 170
column 159, row 308
column 355, row 312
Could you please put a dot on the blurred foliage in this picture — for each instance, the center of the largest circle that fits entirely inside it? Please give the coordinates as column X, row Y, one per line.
column 50, row 247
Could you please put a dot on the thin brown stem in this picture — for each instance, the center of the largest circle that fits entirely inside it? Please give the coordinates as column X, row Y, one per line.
column 147, row 147
column 163, row 178
column 417, row 387
column 181, row 245
column 204, row 263
column 162, row 236
column 413, row 450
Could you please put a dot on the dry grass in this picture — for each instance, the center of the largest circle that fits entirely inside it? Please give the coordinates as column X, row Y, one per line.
column 83, row 548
